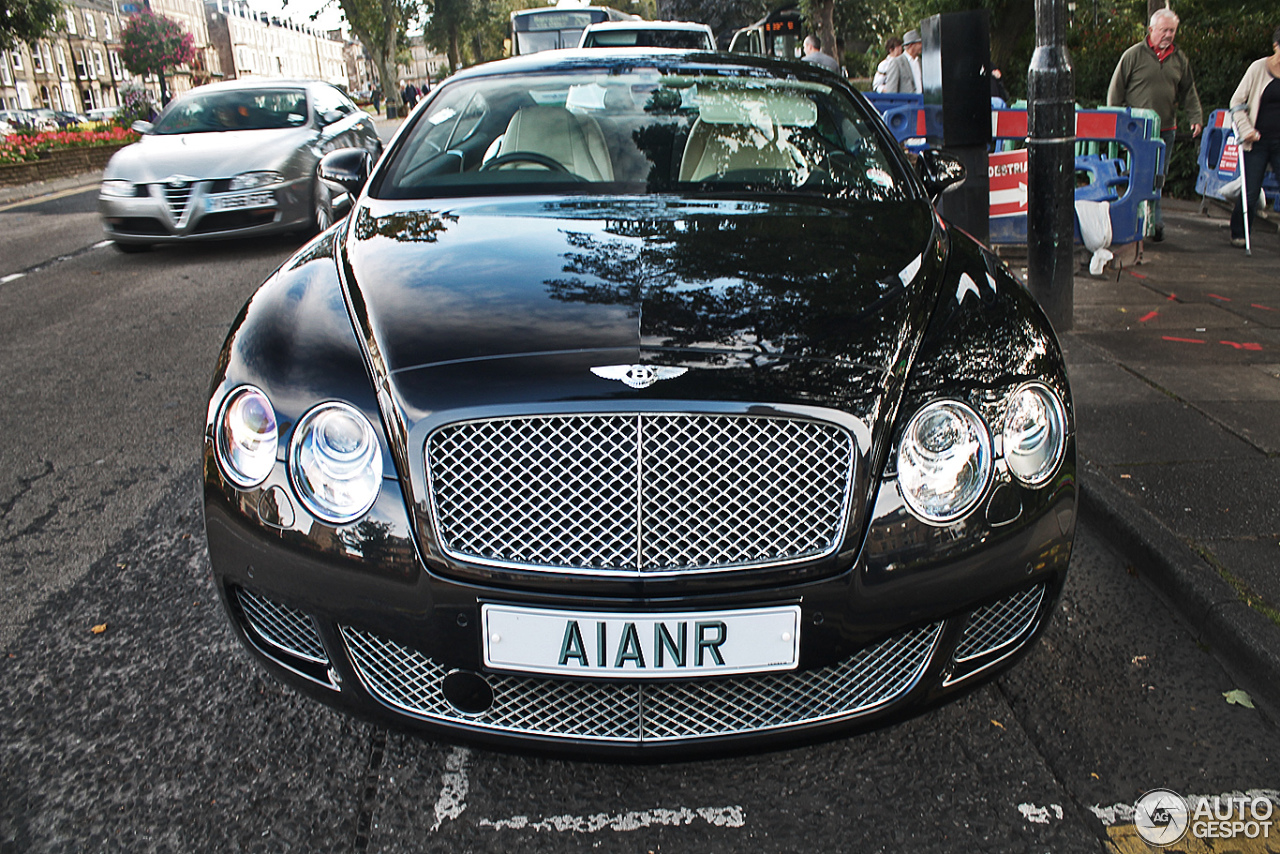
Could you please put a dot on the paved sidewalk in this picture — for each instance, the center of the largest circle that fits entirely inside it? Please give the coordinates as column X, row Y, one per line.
column 1175, row 372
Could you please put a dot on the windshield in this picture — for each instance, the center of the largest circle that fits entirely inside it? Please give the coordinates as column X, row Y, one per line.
column 680, row 39
column 253, row 109
column 641, row 131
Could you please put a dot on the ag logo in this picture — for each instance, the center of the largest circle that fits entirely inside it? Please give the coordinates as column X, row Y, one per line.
column 638, row 376
column 1161, row 817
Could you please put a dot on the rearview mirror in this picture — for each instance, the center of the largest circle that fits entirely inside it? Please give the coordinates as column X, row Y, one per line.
column 141, row 127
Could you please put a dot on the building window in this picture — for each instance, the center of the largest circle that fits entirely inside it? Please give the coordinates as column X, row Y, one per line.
column 5, row 77
column 90, row 29
column 71, row 22
column 82, row 67
column 97, row 63
column 62, row 63
column 17, row 60
column 116, row 71
column 106, row 28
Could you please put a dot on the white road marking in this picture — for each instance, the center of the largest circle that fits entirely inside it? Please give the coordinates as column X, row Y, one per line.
column 1123, row 813
column 1040, row 815
column 732, row 816
column 9, row 278
column 453, row 791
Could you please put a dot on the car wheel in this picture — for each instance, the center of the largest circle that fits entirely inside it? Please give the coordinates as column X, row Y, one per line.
column 131, row 248
column 321, row 207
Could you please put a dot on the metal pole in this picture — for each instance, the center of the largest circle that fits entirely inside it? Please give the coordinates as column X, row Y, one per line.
column 1051, row 125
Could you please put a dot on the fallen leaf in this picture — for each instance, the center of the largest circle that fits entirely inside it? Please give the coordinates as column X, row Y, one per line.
column 1238, row 698
column 1094, row 775
column 99, row 629
column 997, row 723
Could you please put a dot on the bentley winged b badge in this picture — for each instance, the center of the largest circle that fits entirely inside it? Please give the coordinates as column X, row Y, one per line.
column 638, row 376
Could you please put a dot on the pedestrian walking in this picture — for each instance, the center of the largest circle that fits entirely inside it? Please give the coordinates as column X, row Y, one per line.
column 894, row 48
column 1255, row 112
column 1155, row 75
column 813, row 53
column 903, row 74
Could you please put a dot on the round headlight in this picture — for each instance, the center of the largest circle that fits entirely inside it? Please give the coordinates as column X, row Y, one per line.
column 1034, row 433
column 944, row 461
column 246, row 436
column 336, row 462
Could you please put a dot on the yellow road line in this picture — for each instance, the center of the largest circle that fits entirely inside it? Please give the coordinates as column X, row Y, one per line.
column 1124, row 839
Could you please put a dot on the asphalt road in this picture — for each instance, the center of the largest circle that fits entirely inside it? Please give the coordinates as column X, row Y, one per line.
column 159, row 734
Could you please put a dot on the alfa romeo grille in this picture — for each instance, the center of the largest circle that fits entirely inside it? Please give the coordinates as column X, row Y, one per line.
column 285, row 628
column 651, row 712
column 177, row 196
column 639, row 493
column 999, row 624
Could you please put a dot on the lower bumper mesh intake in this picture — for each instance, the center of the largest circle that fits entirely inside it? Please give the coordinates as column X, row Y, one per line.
column 639, row 712
column 999, row 624
column 287, row 629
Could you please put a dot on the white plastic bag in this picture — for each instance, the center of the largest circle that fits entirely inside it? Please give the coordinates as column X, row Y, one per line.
column 1095, row 228
column 1231, row 190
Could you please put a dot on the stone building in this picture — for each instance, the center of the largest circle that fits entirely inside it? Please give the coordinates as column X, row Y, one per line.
column 253, row 44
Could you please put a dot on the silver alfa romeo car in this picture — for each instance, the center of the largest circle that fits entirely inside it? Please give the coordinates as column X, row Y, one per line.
column 232, row 159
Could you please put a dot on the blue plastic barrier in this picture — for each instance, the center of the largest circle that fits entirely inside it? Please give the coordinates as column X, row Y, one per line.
column 1215, row 172
column 1129, row 173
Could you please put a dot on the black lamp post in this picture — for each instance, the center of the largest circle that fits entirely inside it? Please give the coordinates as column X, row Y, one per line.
column 1051, row 166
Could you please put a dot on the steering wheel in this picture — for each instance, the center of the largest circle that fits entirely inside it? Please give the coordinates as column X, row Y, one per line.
column 524, row 157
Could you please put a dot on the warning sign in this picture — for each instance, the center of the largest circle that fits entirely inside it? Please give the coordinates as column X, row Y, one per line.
column 1007, row 172
column 1230, row 160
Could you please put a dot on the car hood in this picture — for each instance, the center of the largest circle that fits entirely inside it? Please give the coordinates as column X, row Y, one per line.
column 483, row 302
column 205, row 155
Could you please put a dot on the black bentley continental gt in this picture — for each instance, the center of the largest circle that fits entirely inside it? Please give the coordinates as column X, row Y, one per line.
column 643, row 405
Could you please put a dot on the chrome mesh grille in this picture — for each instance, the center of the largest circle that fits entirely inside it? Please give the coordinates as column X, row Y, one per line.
column 635, row 712
column 632, row 493
column 999, row 624
column 285, row 628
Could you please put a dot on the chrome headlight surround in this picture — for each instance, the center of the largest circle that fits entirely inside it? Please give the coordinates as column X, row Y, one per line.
column 335, row 462
column 1034, row 436
column 118, row 189
column 944, row 461
column 253, row 180
column 246, row 437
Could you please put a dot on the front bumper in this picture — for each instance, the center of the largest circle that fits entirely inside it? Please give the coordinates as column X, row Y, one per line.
column 198, row 210
column 391, row 640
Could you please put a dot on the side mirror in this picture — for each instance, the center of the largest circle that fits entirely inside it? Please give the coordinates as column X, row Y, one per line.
column 328, row 117
column 939, row 171
column 141, row 127
column 348, row 168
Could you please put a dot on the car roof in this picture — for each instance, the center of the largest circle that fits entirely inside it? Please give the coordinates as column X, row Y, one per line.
column 261, row 83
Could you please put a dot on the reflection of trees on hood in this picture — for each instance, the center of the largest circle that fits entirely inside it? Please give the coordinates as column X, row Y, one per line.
column 420, row 226
column 786, row 285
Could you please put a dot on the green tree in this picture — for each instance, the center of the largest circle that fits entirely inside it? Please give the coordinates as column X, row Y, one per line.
column 380, row 27
column 26, row 21
column 151, row 43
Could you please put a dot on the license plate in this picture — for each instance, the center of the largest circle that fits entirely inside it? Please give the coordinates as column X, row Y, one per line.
column 635, row 646
column 239, row 201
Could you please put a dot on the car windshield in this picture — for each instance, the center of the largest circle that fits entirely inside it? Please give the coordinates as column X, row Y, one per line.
column 681, row 39
column 254, row 109
column 641, row 131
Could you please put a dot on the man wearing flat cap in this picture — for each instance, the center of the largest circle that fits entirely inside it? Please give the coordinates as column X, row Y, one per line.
column 903, row 74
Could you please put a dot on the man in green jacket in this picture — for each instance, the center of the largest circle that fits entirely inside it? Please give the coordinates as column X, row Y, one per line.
column 1155, row 75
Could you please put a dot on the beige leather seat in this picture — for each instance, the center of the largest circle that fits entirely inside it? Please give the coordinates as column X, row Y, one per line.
column 573, row 140
column 714, row 149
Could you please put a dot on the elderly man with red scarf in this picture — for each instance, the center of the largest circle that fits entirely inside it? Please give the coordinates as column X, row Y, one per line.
column 1155, row 75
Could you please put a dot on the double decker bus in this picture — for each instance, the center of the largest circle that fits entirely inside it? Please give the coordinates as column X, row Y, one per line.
column 779, row 34
column 561, row 25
